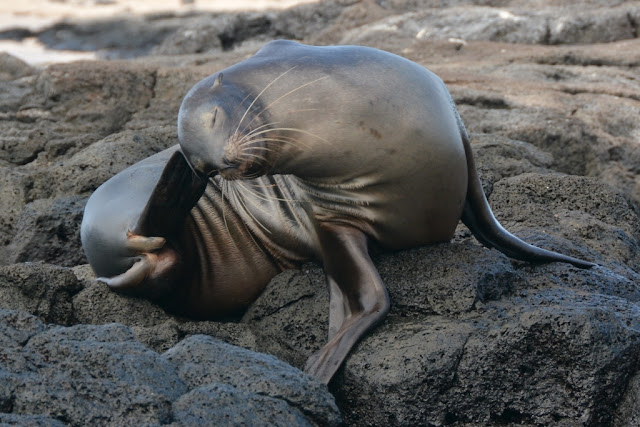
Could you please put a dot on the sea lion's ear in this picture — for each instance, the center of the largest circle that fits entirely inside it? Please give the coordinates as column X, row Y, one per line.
column 218, row 81
column 176, row 193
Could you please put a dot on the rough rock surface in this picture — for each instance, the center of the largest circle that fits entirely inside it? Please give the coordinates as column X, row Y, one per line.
column 101, row 375
column 551, row 96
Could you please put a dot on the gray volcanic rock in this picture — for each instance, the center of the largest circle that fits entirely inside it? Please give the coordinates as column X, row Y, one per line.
column 551, row 97
column 628, row 412
column 216, row 33
column 83, row 171
column 291, row 295
column 89, row 374
column 117, row 37
column 549, row 25
column 29, row 420
column 49, row 230
column 96, row 304
column 12, row 68
column 74, row 105
column 44, row 290
column 258, row 388
column 484, row 368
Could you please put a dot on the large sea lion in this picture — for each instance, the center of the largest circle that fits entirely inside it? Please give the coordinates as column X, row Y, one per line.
column 307, row 152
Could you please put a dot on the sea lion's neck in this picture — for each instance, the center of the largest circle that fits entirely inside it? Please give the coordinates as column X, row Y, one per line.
column 229, row 268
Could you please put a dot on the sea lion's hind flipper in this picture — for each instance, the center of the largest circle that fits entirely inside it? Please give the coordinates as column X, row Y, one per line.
column 478, row 217
column 492, row 235
column 130, row 279
column 358, row 298
column 176, row 193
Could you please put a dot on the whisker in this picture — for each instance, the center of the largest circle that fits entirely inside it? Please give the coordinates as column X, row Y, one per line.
column 302, row 131
column 255, row 156
column 289, row 202
column 285, row 95
column 244, row 224
column 279, row 138
column 248, row 144
column 247, row 148
column 252, row 131
column 253, row 184
column 249, row 135
column 223, row 184
column 242, row 201
column 258, row 96
column 291, row 139
column 268, row 197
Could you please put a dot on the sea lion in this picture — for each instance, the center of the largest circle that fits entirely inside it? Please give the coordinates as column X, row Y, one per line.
column 197, row 262
column 311, row 153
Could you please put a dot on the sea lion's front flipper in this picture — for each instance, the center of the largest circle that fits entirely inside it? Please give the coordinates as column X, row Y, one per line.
column 358, row 298
column 175, row 194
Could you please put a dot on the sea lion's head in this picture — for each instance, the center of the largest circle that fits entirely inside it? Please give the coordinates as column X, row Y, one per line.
column 222, row 131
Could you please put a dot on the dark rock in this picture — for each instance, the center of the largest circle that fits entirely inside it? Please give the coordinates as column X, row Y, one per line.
column 87, row 169
column 49, row 230
column 446, row 279
column 590, row 218
column 70, row 106
column 99, row 96
column 270, row 386
column 97, row 305
column 16, row 82
column 17, row 34
column 29, row 420
column 222, row 404
column 93, row 374
column 480, row 327
column 14, row 186
column 165, row 335
column 310, row 22
column 99, row 374
column 291, row 295
column 11, row 95
column 117, row 37
column 628, row 412
column 44, row 290
column 595, row 26
column 550, row 25
column 12, row 68
column 170, row 87
column 583, row 116
column 201, row 36
column 497, row 157
column 553, row 356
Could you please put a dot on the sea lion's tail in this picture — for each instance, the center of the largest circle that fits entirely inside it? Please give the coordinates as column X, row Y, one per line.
column 478, row 217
